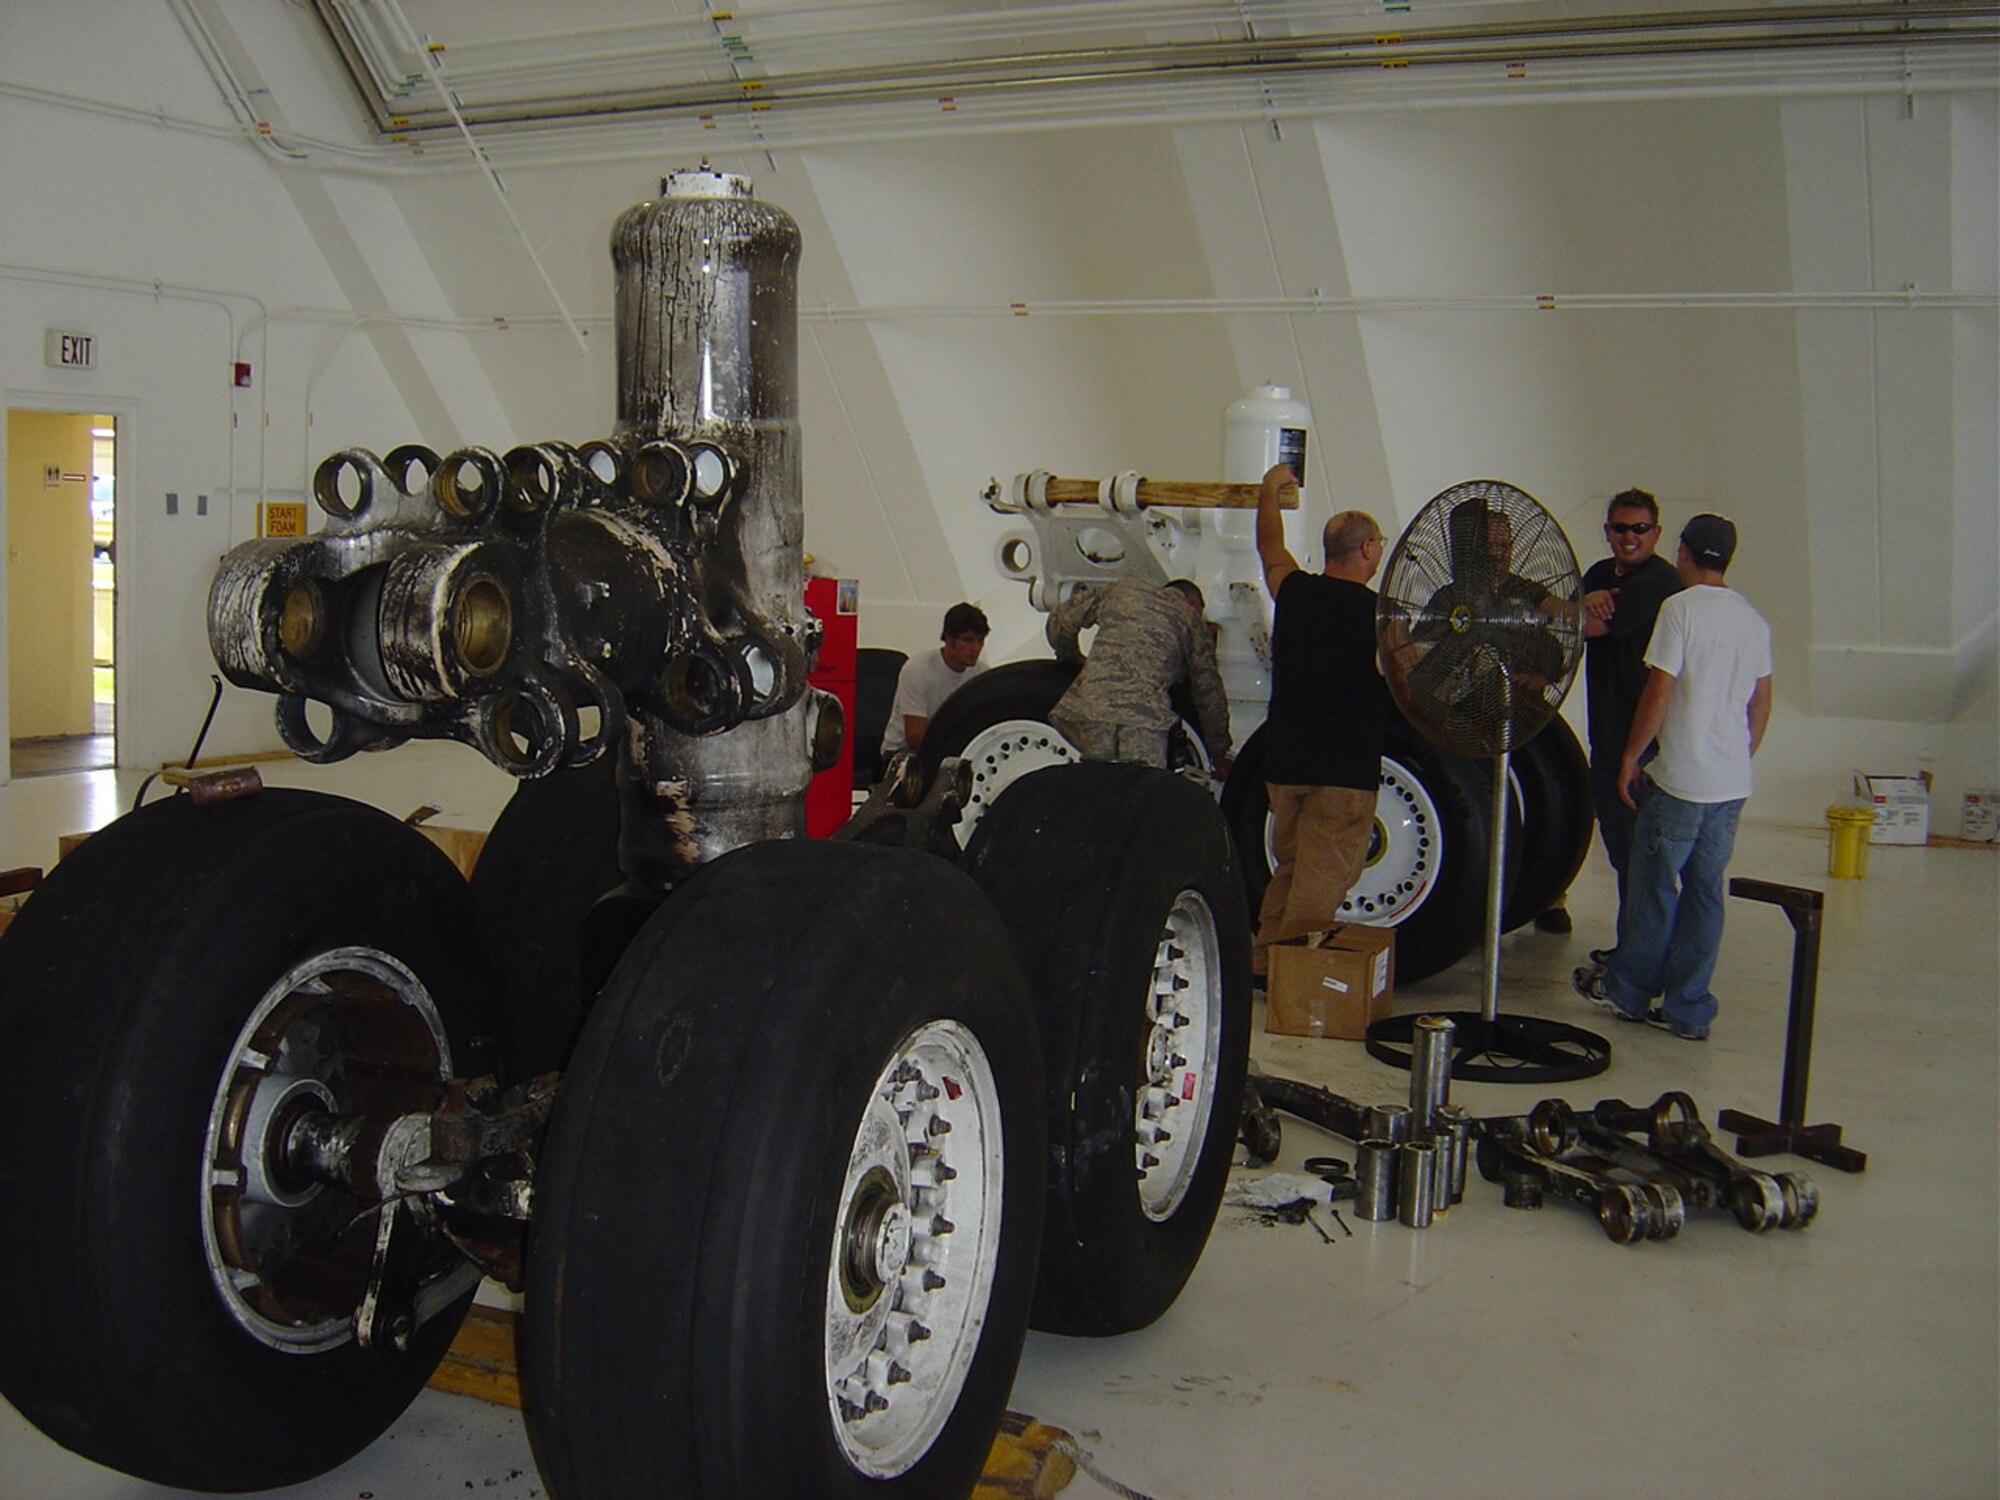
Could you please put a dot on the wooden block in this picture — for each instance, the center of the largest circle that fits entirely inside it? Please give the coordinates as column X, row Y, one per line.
column 481, row 1360
column 1024, row 1463
column 461, row 845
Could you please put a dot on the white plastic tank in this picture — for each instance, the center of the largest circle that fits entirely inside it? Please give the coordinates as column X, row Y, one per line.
column 1261, row 428
column 1265, row 427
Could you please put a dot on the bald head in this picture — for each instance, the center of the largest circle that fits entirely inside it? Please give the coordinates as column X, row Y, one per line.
column 1353, row 545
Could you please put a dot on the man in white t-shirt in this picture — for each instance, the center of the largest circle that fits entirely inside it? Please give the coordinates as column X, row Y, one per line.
column 931, row 677
column 1707, row 699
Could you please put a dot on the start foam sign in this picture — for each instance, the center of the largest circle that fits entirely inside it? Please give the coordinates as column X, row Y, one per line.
column 283, row 518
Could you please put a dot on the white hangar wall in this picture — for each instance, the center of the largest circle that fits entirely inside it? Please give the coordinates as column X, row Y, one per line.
column 1717, row 335
column 182, row 248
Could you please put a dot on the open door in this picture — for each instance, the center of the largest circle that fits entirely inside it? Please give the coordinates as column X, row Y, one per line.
column 61, row 591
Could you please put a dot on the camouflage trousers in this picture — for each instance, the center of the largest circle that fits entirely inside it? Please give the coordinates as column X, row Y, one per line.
column 1097, row 740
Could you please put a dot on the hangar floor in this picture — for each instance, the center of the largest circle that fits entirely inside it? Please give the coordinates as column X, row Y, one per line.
column 1496, row 1353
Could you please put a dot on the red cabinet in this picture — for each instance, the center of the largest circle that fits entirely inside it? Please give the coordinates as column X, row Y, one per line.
column 835, row 602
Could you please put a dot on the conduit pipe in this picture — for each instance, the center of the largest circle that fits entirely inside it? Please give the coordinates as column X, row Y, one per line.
column 1898, row 27
column 1184, row 102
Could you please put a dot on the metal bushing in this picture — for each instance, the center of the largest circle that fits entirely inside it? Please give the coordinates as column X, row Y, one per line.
column 1452, row 1128
column 1430, row 1070
column 468, row 484
column 411, row 467
column 1387, row 1122
column 540, row 477
column 347, row 484
column 1375, row 1179
column 1416, row 1179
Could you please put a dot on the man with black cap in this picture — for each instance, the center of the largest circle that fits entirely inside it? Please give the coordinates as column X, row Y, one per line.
column 1707, row 700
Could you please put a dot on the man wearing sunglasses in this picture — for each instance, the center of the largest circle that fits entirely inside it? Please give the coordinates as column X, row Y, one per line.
column 1622, row 597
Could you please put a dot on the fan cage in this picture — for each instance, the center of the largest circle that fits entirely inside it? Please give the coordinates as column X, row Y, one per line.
column 1480, row 618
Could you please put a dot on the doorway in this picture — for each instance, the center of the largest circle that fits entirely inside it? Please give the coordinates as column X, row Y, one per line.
column 62, row 551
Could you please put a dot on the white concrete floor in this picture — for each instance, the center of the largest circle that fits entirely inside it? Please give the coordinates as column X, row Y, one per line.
column 1497, row 1353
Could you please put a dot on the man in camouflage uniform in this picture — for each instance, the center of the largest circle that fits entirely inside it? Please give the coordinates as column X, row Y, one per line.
column 1149, row 637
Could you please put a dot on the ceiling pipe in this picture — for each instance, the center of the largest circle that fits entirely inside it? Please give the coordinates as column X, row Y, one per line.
column 1897, row 27
column 1181, row 101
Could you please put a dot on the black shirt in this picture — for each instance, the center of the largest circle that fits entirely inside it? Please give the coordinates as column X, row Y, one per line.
column 1614, row 664
column 1329, row 706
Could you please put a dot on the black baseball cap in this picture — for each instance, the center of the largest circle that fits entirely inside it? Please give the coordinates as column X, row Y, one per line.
column 1712, row 540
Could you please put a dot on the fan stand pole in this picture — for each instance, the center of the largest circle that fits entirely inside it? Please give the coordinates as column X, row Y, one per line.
column 1488, row 1047
column 1496, row 895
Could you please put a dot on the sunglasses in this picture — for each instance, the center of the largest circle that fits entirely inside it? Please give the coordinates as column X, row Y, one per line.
column 1636, row 528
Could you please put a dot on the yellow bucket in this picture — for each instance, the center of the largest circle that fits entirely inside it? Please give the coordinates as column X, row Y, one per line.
column 1847, row 831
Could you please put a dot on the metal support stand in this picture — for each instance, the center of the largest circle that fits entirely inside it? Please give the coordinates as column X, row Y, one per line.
column 1790, row 1133
column 1491, row 1047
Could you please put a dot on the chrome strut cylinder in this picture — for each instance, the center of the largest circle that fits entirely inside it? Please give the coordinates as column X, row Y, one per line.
column 707, row 281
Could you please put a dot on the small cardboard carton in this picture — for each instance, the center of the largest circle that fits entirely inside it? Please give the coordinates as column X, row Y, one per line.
column 1979, row 818
column 1335, row 989
column 1902, row 807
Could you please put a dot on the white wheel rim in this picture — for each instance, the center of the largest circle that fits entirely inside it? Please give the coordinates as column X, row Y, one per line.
column 257, row 1221
column 915, row 1245
column 1000, row 755
column 1177, row 1094
column 1405, row 852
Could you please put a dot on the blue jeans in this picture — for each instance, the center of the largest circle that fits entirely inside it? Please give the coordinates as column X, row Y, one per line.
column 1614, row 818
column 1670, row 924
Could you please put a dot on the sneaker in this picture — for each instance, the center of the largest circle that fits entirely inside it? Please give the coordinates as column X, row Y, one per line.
column 1601, row 957
column 1555, row 919
column 1659, row 1020
column 1588, row 982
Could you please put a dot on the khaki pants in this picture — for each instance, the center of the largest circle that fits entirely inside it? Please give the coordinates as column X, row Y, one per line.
column 1319, row 840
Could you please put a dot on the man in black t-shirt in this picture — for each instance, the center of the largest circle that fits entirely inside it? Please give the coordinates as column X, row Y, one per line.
column 1328, row 716
column 1622, row 595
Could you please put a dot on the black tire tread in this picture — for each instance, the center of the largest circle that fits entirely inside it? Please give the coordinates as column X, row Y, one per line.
column 112, row 980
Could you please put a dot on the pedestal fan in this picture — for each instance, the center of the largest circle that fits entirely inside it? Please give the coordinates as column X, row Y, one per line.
column 1480, row 628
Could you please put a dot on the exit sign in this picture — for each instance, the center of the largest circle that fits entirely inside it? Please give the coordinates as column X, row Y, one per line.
column 69, row 351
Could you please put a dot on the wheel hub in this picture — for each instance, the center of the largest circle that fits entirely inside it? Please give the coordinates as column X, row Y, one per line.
column 345, row 1026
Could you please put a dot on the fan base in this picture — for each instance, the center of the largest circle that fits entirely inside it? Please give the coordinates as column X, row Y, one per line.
column 1505, row 1049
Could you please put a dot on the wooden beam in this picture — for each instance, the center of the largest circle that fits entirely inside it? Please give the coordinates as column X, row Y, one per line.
column 1203, row 494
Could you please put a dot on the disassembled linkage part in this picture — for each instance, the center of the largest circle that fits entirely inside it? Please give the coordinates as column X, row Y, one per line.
column 1639, row 1169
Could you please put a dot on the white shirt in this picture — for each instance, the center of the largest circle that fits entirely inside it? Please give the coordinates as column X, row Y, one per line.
column 1716, row 646
column 925, row 682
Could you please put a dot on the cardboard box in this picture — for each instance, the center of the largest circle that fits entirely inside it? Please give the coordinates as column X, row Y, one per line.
column 1902, row 807
column 1979, row 816
column 1334, row 990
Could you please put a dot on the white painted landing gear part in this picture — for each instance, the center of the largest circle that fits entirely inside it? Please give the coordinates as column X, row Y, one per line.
column 1185, row 1009
column 915, row 1245
column 1001, row 755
